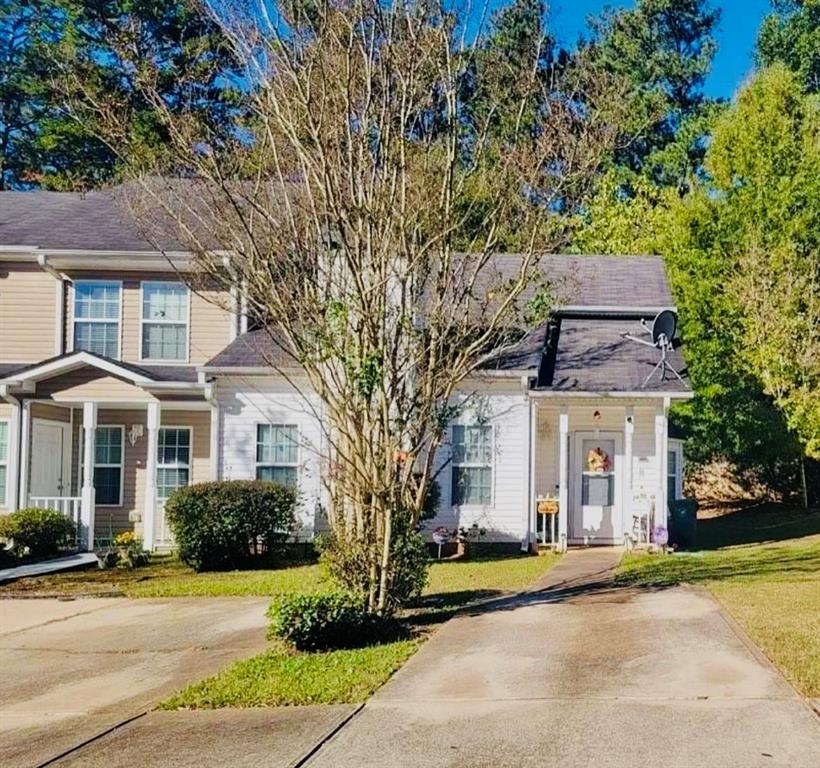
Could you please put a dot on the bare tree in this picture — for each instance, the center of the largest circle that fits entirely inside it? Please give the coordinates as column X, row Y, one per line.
column 345, row 197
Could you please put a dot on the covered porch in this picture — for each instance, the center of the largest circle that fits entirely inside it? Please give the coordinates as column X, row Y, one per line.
column 106, row 445
column 602, row 469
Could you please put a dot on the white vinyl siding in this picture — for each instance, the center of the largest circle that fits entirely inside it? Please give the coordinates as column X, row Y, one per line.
column 164, row 322
column 173, row 460
column 97, row 316
column 277, row 453
column 4, row 458
column 244, row 404
column 472, row 482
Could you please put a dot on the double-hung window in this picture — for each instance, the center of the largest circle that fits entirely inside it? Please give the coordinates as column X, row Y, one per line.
column 97, row 317
column 472, row 465
column 277, row 453
column 4, row 458
column 173, row 460
column 674, row 472
column 164, row 322
column 108, row 462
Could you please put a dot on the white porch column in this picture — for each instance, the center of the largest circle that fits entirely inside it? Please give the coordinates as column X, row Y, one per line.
column 149, row 514
column 628, row 494
column 563, row 477
column 13, row 456
column 25, row 452
column 660, row 463
column 87, row 508
column 530, row 525
column 214, row 447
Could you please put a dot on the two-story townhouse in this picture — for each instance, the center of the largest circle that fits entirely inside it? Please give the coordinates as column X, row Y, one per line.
column 122, row 379
column 100, row 337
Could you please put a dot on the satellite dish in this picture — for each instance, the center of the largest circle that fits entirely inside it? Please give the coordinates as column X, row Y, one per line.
column 664, row 326
column 662, row 333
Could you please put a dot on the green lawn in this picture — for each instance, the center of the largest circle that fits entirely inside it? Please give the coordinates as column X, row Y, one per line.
column 282, row 676
column 771, row 584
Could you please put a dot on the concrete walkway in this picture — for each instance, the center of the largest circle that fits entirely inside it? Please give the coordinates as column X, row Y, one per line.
column 70, row 670
column 579, row 673
column 77, row 560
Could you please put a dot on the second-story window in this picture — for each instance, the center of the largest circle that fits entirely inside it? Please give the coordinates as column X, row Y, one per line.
column 164, row 322
column 97, row 317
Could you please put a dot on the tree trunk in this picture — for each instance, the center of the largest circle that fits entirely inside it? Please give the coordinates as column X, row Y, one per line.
column 804, row 490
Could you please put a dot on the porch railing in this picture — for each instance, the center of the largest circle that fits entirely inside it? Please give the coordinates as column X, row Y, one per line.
column 69, row 506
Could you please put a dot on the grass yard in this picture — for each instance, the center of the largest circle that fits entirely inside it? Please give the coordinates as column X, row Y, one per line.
column 764, row 567
column 282, row 676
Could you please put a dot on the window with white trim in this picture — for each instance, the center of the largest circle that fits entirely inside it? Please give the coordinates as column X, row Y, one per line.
column 164, row 322
column 4, row 459
column 109, row 448
column 97, row 317
column 472, row 465
column 277, row 453
column 173, row 460
column 674, row 473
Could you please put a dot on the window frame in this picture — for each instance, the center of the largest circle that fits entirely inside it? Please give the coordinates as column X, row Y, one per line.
column 676, row 447
column 4, row 462
column 99, row 321
column 144, row 322
column 177, row 465
column 295, row 465
column 121, row 465
column 472, row 465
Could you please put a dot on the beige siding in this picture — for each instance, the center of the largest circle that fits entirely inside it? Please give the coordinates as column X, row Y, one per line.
column 27, row 313
column 50, row 412
column 90, row 384
column 129, row 516
column 209, row 329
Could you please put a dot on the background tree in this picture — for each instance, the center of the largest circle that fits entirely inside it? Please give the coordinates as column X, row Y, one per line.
column 22, row 94
column 40, row 142
column 344, row 197
column 791, row 35
column 664, row 49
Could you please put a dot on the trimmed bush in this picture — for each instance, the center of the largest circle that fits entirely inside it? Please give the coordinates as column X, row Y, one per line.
column 38, row 532
column 231, row 524
column 329, row 620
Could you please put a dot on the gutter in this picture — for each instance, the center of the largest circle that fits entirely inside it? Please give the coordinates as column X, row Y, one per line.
column 632, row 394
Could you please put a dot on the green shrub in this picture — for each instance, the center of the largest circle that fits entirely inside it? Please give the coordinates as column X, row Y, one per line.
column 38, row 532
column 329, row 620
column 231, row 524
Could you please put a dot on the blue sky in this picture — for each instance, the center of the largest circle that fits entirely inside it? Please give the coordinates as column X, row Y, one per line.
column 736, row 35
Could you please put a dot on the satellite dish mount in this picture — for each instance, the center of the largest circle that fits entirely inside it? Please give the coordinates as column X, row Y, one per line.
column 662, row 333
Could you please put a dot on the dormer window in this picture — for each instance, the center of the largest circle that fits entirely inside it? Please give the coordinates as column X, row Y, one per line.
column 97, row 312
column 164, row 322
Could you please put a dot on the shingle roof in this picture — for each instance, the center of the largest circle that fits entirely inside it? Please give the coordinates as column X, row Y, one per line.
column 67, row 220
column 592, row 356
column 183, row 373
column 621, row 281
column 254, row 349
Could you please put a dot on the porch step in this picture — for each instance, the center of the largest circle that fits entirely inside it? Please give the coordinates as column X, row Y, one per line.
column 80, row 560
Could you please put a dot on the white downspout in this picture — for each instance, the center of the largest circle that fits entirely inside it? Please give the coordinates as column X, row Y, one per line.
column 59, row 303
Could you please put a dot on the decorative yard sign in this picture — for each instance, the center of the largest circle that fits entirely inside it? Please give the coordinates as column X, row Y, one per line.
column 441, row 536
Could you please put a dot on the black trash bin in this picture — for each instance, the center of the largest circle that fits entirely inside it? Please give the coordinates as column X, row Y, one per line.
column 683, row 523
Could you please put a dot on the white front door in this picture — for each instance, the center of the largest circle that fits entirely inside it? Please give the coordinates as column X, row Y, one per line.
column 597, row 471
column 50, row 458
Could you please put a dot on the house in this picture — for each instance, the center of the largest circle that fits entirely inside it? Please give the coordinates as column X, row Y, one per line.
column 124, row 377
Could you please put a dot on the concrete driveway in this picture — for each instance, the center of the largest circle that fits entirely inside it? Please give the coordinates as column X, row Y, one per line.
column 579, row 673
column 70, row 670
